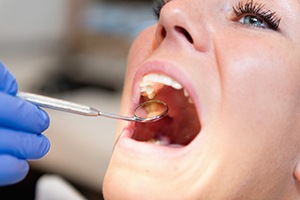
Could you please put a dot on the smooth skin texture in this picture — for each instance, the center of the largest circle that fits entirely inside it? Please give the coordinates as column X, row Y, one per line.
column 245, row 83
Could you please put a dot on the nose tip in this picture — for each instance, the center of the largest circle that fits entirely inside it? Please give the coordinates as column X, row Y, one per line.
column 175, row 23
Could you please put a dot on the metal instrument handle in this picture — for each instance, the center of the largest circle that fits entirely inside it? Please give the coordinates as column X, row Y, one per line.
column 58, row 104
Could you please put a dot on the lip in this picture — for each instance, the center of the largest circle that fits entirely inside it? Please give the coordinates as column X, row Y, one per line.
column 136, row 148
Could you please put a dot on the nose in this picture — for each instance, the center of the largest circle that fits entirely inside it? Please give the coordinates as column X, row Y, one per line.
column 177, row 22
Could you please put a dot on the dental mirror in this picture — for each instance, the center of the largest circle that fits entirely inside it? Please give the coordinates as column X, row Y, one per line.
column 149, row 111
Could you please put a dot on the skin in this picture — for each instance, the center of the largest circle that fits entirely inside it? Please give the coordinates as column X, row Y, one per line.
column 245, row 83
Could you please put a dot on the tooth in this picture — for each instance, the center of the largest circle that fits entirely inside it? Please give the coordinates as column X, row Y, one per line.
column 146, row 83
column 191, row 101
column 149, row 95
column 165, row 80
column 162, row 140
column 185, row 92
column 143, row 89
column 149, row 89
column 176, row 86
column 152, row 95
column 151, row 79
column 157, row 142
column 151, row 141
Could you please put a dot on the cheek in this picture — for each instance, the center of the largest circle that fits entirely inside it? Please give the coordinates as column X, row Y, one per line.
column 142, row 47
column 140, row 50
column 260, row 89
column 264, row 74
column 260, row 104
column 260, row 99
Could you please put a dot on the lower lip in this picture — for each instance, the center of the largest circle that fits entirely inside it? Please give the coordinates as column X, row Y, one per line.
column 136, row 148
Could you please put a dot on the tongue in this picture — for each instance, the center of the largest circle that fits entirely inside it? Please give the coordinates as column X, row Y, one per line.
column 154, row 131
column 180, row 127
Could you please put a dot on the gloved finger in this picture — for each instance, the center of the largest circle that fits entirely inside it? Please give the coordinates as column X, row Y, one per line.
column 23, row 145
column 12, row 170
column 8, row 82
column 19, row 114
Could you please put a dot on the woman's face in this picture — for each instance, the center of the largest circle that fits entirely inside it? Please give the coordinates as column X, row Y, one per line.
column 230, row 72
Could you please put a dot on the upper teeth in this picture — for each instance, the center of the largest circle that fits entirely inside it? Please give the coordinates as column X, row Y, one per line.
column 149, row 84
column 159, row 78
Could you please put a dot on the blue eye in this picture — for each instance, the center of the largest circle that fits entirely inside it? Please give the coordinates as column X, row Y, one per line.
column 255, row 14
column 253, row 20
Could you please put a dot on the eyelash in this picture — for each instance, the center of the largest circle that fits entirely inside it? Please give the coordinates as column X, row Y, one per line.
column 241, row 9
column 257, row 10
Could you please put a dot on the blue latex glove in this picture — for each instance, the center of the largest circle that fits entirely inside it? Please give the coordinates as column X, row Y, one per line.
column 21, row 125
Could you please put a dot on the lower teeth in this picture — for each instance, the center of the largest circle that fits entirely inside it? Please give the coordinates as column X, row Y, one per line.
column 164, row 141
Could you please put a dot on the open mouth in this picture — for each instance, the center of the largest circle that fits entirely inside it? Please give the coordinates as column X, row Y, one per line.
column 182, row 123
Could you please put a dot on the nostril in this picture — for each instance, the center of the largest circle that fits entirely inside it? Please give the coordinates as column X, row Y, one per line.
column 185, row 33
column 163, row 33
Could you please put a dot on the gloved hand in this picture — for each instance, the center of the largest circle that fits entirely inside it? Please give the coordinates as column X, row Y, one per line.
column 21, row 125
